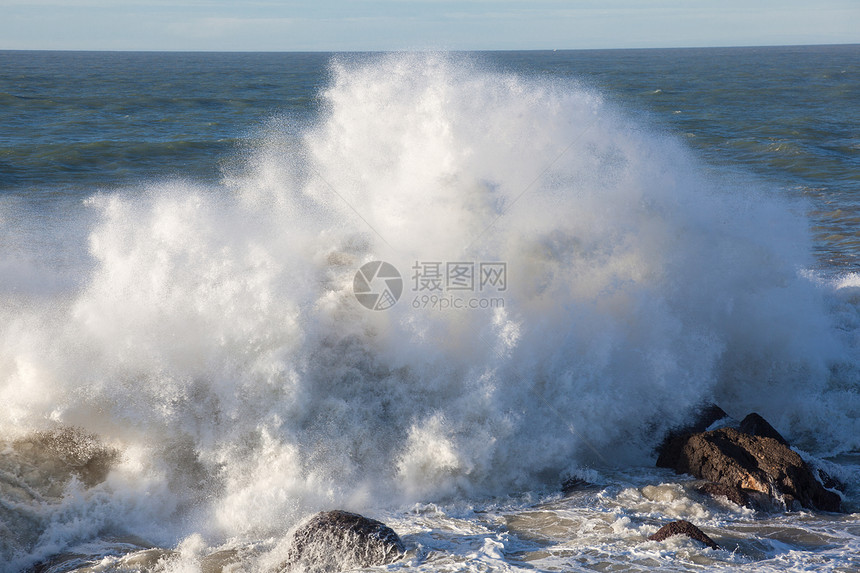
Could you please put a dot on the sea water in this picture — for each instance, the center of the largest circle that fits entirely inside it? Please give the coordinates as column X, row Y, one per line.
column 629, row 234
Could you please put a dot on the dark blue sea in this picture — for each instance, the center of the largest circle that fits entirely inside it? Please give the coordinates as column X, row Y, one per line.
column 240, row 288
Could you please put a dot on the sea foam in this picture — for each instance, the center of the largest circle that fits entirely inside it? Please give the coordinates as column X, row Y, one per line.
column 213, row 336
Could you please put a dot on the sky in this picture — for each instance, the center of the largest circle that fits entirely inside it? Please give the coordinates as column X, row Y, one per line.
column 358, row 25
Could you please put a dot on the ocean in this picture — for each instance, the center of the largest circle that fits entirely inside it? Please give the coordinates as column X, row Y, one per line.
column 237, row 289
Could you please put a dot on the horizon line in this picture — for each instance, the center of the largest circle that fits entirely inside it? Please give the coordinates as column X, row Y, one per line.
column 430, row 50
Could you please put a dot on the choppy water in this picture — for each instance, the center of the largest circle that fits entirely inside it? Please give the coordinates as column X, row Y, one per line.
column 181, row 235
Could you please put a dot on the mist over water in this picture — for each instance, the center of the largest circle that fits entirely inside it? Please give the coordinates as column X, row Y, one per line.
column 209, row 332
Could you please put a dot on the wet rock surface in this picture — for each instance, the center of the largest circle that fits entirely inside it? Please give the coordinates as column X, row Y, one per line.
column 122, row 554
column 734, row 494
column 701, row 419
column 338, row 540
column 62, row 453
column 35, row 471
column 683, row 527
column 755, row 425
column 756, row 463
column 574, row 484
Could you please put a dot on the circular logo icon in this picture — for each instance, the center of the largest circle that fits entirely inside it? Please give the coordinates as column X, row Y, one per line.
column 377, row 285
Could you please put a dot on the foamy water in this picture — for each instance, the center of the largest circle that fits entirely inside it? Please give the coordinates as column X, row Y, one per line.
column 209, row 334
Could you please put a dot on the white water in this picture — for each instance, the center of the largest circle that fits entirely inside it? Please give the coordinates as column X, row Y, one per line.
column 211, row 334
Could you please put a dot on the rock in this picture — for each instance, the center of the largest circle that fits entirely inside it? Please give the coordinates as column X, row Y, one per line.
column 701, row 419
column 66, row 451
column 829, row 481
column 755, row 425
column 705, row 417
column 35, row 470
column 683, row 528
column 757, row 463
column 220, row 561
column 132, row 554
column 339, row 540
column 734, row 494
column 574, row 484
column 745, row 497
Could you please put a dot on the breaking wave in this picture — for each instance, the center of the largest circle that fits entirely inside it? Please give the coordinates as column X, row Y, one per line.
column 212, row 338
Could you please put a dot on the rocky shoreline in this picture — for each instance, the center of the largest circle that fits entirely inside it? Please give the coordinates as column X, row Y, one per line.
column 747, row 463
column 751, row 464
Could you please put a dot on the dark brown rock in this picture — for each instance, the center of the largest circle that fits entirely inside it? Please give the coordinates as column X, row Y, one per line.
column 734, row 494
column 755, row 463
column 338, row 540
column 704, row 417
column 829, row 481
column 683, row 528
column 746, row 497
column 755, row 425
column 700, row 420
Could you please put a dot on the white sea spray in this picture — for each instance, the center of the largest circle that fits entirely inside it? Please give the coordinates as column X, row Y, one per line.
column 215, row 339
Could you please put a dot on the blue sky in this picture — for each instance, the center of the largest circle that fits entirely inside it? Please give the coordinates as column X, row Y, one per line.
column 262, row 25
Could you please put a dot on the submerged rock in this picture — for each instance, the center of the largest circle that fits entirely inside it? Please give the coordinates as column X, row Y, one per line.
column 220, row 561
column 56, row 455
column 683, row 528
column 124, row 554
column 35, row 472
column 574, row 484
column 338, row 540
column 755, row 463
